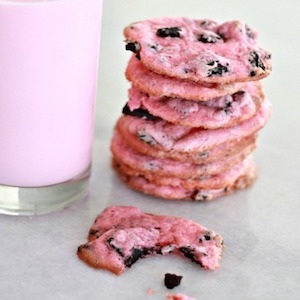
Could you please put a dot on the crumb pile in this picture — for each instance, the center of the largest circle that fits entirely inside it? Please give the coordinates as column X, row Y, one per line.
column 194, row 110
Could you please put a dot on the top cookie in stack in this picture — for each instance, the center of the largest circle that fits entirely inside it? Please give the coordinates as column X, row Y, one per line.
column 194, row 110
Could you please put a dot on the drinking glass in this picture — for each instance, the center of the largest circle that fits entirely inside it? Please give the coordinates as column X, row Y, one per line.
column 49, row 53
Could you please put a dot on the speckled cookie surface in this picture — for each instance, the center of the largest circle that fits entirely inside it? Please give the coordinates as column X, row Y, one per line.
column 159, row 85
column 179, row 192
column 157, row 167
column 220, row 180
column 121, row 235
column 168, row 137
column 224, row 150
column 223, row 111
column 199, row 50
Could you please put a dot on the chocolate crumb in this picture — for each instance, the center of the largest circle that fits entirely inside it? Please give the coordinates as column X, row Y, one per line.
column 172, row 280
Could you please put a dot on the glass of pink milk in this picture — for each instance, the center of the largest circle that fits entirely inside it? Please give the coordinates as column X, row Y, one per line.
column 48, row 80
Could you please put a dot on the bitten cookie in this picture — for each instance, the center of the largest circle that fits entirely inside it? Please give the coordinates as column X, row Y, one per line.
column 121, row 235
column 199, row 50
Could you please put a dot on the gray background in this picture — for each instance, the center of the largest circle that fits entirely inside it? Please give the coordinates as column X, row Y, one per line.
column 260, row 225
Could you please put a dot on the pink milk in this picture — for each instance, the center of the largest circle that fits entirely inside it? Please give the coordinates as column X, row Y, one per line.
column 48, row 77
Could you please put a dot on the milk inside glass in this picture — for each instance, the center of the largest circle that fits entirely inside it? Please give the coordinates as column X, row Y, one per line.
column 48, row 80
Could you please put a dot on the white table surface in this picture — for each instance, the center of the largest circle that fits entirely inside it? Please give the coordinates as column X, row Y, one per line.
column 260, row 225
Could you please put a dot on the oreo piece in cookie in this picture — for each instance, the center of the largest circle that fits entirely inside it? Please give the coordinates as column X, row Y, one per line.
column 138, row 112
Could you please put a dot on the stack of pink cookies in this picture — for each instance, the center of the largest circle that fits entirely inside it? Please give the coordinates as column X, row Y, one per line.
column 195, row 108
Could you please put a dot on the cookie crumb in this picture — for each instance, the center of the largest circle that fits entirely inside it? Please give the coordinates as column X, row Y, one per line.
column 178, row 297
column 150, row 292
column 172, row 280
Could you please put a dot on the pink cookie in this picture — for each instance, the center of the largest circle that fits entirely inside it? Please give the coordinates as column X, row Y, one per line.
column 176, row 138
column 178, row 192
column 217, row 181
column 199, row 50
column 224, row 150
column 219, row 112
column 144, row 164
column 158, row 85
column 122, row 235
